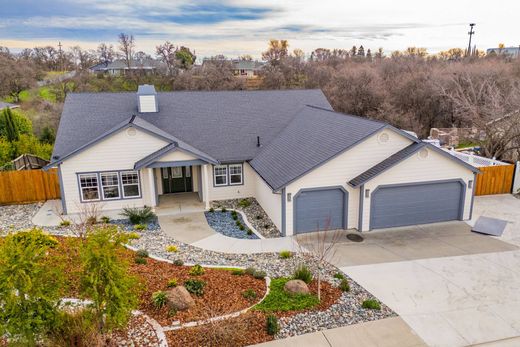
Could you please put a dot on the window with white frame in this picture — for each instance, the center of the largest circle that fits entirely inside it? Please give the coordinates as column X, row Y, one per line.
column 235, row 174
column 89, row 187
column 130, row 183
column 110, row 185
column 220, row 175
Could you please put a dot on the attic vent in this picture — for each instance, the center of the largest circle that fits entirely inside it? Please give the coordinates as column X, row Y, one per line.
column 383, row 138
column 423, row 153
column 147, row 99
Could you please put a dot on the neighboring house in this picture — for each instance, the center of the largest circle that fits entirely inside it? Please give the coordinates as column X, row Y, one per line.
column 29, row 162
column 247, row 68
column 513, row 52
column 119, row 67
column 6, row 104
column 309, row 167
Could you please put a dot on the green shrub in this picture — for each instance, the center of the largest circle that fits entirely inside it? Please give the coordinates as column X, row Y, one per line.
column 279, row 300
column 195, row 287
column 140, row 260
column 235, row 217
column 371, row 304
column 172, row 312
column 241, row 227
column 178, row 262
column 258, row 274
column 159, row 299
column 237, row 272
column 105, row 219
column 249, row 231
column 339, row 275
column 139, row 227
column 139, row 215
column 272, row 326
column 223, row 209
column 211, row 210
column 234, row 213
column 197, row 270
column 171, row 249
column 106, row 279
column 142, row 253
column 344, row 285
column 133, row 236
column 65, row 223
column 250, row 271
column 249, row 294
column 303, row 273
column 29, row 287
column 244, row 203
column 172, row 283
column 238, row 223
column 285, row 254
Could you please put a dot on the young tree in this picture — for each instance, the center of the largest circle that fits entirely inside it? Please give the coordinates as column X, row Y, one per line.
column 30, row 289
column 166, row 53
column 105, row 53
column 126, row 47
column 185, row 58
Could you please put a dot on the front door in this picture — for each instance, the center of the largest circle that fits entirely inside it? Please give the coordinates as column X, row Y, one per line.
column 176, row 179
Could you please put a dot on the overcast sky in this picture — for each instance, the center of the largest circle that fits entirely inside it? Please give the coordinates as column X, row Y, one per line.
column 234, row 27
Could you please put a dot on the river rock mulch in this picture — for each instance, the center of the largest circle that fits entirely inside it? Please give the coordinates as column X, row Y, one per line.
column 222, row 222
column 255, row 214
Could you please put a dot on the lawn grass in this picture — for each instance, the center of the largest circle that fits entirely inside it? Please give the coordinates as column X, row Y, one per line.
column 279, row 300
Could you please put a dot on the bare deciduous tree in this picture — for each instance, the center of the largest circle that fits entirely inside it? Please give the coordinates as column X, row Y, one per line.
column 126, row 47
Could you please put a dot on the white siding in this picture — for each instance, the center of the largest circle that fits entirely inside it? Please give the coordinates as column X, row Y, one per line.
column 434, row 167
column 270, row 202
column 340, row 170
column 117, row 152
column 147, row 103
column 233, row 192
column 176, row 155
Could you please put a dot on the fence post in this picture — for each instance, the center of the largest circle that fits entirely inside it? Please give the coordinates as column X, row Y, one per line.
column 516, row 179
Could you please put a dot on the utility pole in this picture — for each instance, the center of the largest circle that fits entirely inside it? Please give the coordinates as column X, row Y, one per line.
column 61, row 56
column 470, row 33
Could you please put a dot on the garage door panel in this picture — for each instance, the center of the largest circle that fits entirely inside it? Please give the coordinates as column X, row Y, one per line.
column 415, row 204
column 319, row 209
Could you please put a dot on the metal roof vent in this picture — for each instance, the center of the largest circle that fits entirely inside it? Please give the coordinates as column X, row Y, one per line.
column 147, row 99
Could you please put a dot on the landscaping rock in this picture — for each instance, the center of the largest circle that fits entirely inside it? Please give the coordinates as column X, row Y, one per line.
column 296, row 287
column 179, row 298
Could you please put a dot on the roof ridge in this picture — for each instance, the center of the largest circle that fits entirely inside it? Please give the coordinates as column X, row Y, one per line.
column 348, row 114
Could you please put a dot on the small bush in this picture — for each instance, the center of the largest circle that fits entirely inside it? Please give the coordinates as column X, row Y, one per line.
column 238, row 223
column 249, row 294
column 250, row 271
column 105, row 219
column 140, row 260
column 279, row 300
column 339, row 276
column 258, row 274
column 303, row 273
column 371, row 304
column 223, row 210
column 65, row 223
column 196, row 270
column 344, row 285
column 171, row 249
column 79, row 326
column 235, row 217
column 259, row 216
column 142, row 253
column 272, row 324
column 172, row 283
column 133, row 236
column 91, row 220
column 139, row 215
column 249, row 231
column 241, row 227
column 139, row 227
column 234, row 213
column 244, row 203
column 172, row 312
column 195, row 287
column 285, row 254
column 237, row 272
column 211, row 210
column 178, row 262
column 159, row 299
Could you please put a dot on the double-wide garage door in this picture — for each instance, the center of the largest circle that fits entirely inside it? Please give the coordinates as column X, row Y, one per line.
column 412, row 204
column 320, row 209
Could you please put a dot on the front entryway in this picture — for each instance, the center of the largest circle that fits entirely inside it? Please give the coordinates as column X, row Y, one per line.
column 176, row 179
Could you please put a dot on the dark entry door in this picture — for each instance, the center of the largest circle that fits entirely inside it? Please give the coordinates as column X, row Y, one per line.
column 176, row 179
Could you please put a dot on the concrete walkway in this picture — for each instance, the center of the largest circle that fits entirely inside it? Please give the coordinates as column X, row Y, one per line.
column 389, row 332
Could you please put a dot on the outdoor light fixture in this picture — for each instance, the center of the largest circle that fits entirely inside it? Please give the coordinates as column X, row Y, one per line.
column 470, row 184
column 289, row 197
column 367, row 193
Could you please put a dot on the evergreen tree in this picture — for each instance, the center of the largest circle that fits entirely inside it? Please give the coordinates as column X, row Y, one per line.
column 353, row 51
column 361, row 51
column 369, row 54
column 48, row 135
column 11, row 129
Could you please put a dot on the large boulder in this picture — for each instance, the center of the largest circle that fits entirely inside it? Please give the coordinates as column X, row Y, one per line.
column 296, row 287
column 179, row 298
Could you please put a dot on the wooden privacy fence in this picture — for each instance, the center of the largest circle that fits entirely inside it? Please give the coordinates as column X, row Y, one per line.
column 18, row 187
column 495, row 180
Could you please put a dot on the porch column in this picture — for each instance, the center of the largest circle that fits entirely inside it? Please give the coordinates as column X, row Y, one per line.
column 205, row 181
column 153, row 188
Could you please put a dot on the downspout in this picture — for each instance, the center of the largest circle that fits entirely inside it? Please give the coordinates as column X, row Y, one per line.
column 361, row 205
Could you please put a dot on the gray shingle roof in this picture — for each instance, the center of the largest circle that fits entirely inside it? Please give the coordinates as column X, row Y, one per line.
column 224, row 125
column 313, row 137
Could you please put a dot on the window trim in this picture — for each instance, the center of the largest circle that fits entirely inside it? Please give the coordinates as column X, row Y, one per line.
column 222, row 175
column 228, row 176
column 131, row 184
column 118, row 185
column 241, row 174
column 81, row 188
column 100, row 188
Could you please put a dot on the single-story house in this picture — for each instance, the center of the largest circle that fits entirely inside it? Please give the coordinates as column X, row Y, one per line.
column 310, row 168
column 247, row 68
column 119, row 67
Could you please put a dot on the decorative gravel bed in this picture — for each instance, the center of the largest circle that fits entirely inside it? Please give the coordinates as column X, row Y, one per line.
column 255, row 214
column 223, row 223
column 347, row 310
